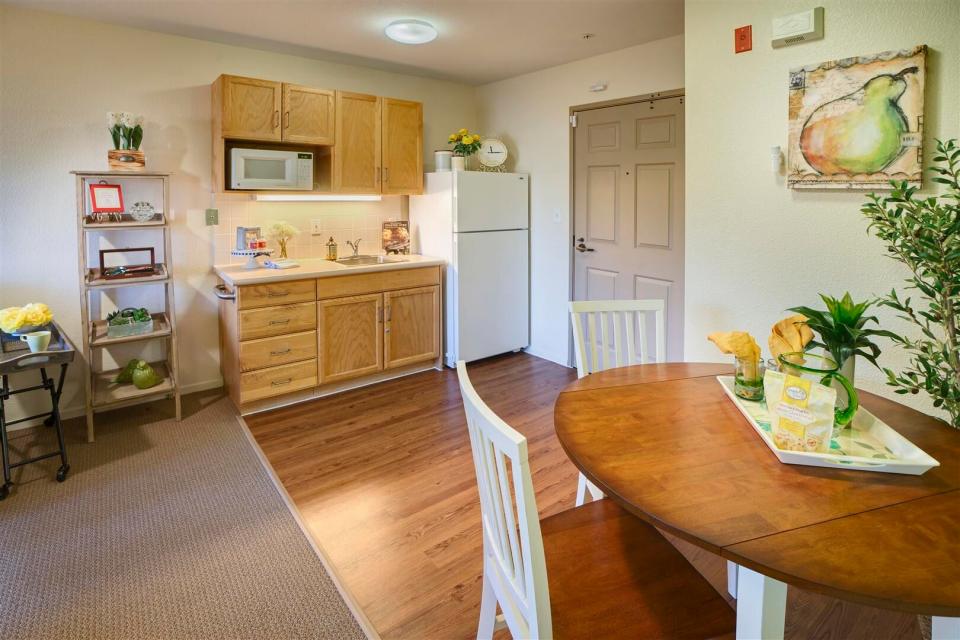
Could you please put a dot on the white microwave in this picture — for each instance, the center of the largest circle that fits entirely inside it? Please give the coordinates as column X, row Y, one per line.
column 271, row 169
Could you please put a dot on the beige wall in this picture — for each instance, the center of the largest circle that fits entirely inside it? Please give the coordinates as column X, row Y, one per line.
column 60, row 77
column 529, row 113
column 753, row 246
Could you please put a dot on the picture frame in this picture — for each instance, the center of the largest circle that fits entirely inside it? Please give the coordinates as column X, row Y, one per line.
column 106, row 198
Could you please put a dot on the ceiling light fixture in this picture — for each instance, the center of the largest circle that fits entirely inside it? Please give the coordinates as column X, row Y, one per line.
column 411, row 31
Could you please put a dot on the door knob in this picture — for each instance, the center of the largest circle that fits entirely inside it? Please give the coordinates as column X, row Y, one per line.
column 581, row 247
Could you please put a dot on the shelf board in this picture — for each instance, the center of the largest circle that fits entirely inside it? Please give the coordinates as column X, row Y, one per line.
column 99, row 338
column 94, row 280
column 106, row 392
column 123, row 174
column 125, row 224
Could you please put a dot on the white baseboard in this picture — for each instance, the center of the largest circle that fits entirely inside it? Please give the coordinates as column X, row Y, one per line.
column 78, row 410
column 559, row 358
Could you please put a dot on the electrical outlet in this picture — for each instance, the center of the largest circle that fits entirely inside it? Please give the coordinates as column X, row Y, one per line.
column 212, row 217
column 316, row 227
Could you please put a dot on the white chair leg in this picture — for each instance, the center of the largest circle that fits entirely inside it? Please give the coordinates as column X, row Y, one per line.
column 581, row 489
column 761, row 606
column 488, row 611
column 732, row 578
column 945, row 628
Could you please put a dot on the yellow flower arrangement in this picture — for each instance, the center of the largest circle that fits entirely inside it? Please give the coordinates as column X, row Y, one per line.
column 35, row 314
column 464, row 143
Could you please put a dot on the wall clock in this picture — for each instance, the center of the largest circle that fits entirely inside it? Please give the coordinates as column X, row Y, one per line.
column 492, row 155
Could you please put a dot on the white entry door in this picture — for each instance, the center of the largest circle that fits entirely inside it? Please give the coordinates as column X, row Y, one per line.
column 628, row 208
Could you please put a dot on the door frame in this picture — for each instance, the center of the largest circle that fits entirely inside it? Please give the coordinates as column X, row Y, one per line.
column 617, row 102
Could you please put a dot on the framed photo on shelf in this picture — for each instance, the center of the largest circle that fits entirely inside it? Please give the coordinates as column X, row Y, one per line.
column 106, row 198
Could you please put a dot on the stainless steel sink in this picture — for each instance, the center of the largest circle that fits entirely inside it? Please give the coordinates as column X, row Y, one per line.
column 364, row 260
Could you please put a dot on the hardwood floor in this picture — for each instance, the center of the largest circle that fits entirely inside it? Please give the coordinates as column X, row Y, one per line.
column 384, row 479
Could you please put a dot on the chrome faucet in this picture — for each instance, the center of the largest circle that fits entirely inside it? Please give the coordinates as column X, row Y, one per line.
column 355, row 245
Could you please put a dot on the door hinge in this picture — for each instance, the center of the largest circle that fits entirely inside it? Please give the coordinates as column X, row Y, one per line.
column 573, row 121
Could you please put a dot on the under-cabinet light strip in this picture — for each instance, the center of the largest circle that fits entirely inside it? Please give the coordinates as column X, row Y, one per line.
column 315, row 197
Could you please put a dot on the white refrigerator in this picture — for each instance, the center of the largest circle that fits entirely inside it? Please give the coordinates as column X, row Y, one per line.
column 480, row 223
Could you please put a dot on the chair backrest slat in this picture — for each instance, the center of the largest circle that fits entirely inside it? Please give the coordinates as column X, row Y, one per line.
column 622, row 338
column 512, row 543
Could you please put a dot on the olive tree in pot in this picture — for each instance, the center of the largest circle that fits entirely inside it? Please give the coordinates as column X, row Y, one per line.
column 924, row 234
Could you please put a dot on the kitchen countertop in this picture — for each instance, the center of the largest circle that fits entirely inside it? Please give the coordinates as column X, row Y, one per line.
column 239, row 275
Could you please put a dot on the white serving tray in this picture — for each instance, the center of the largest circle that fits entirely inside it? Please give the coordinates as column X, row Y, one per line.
column 870, row 445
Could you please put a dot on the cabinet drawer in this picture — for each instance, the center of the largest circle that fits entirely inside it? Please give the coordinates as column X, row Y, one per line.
column 276, row 381
column 267, row 295
column 270, row 352
column 342, row 286
column 275, row 321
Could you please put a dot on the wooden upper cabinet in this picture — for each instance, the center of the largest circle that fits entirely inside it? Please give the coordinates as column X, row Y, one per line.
column 250, row 108
column 356, row 156
column 411, row 330
column 350, row 336
column 308, row 115
column 402, row 146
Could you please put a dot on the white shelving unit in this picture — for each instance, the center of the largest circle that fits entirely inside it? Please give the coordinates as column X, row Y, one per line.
column 102, row 393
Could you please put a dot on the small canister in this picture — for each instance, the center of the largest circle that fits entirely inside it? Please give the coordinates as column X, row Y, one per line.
column 331, row 249
column 442, row 159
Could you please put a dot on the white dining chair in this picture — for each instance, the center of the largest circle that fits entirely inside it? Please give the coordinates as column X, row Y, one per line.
column 610, row 574
column 613, row 333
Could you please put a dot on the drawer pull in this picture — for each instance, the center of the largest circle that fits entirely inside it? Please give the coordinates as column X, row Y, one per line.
column 273, row 322
column 277, row 294
column 279, row 353
column 280, row 383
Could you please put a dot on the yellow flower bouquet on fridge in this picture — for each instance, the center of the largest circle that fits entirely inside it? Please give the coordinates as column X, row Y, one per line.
column 464, row 143
column 25, row 319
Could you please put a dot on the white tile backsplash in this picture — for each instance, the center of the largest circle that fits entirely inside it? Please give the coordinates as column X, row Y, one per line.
column 342, row 220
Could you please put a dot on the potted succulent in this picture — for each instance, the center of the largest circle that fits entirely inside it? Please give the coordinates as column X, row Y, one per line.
column 924, row 234
column 465, row 144
column 130, row 321
column 126, row 132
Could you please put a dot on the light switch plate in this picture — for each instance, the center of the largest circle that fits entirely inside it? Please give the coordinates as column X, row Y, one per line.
column 212, row 217
column 316, row 227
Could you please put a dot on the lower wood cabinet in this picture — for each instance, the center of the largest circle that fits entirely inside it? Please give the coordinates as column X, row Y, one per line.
column 350, row 333
column 292, row 336
column 411, row 330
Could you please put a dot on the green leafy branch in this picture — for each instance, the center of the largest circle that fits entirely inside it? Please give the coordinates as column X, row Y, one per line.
column 924, row 234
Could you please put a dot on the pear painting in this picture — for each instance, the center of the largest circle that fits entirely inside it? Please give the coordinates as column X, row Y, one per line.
column 857, row 123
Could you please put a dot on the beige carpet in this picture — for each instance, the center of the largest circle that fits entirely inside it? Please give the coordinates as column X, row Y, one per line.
column 162, row 530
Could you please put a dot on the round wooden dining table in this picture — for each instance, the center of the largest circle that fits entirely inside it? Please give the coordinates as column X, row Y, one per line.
column 667, row 444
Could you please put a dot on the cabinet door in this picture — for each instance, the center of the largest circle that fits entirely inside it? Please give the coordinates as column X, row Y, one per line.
column 350, row 335
column 411, row 330
column 251, row 108
column 308, row 115
column 402, row 147
column 356, row 156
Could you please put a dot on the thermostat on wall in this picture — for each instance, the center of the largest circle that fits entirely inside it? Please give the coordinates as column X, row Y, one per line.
column 798, row 27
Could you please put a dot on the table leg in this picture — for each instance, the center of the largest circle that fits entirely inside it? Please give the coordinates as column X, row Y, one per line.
column 945, row 628
column 761, row 606
column 732, row 578
column 4, row 445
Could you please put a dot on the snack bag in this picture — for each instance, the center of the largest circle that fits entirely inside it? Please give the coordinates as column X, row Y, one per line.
column 801, row 412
